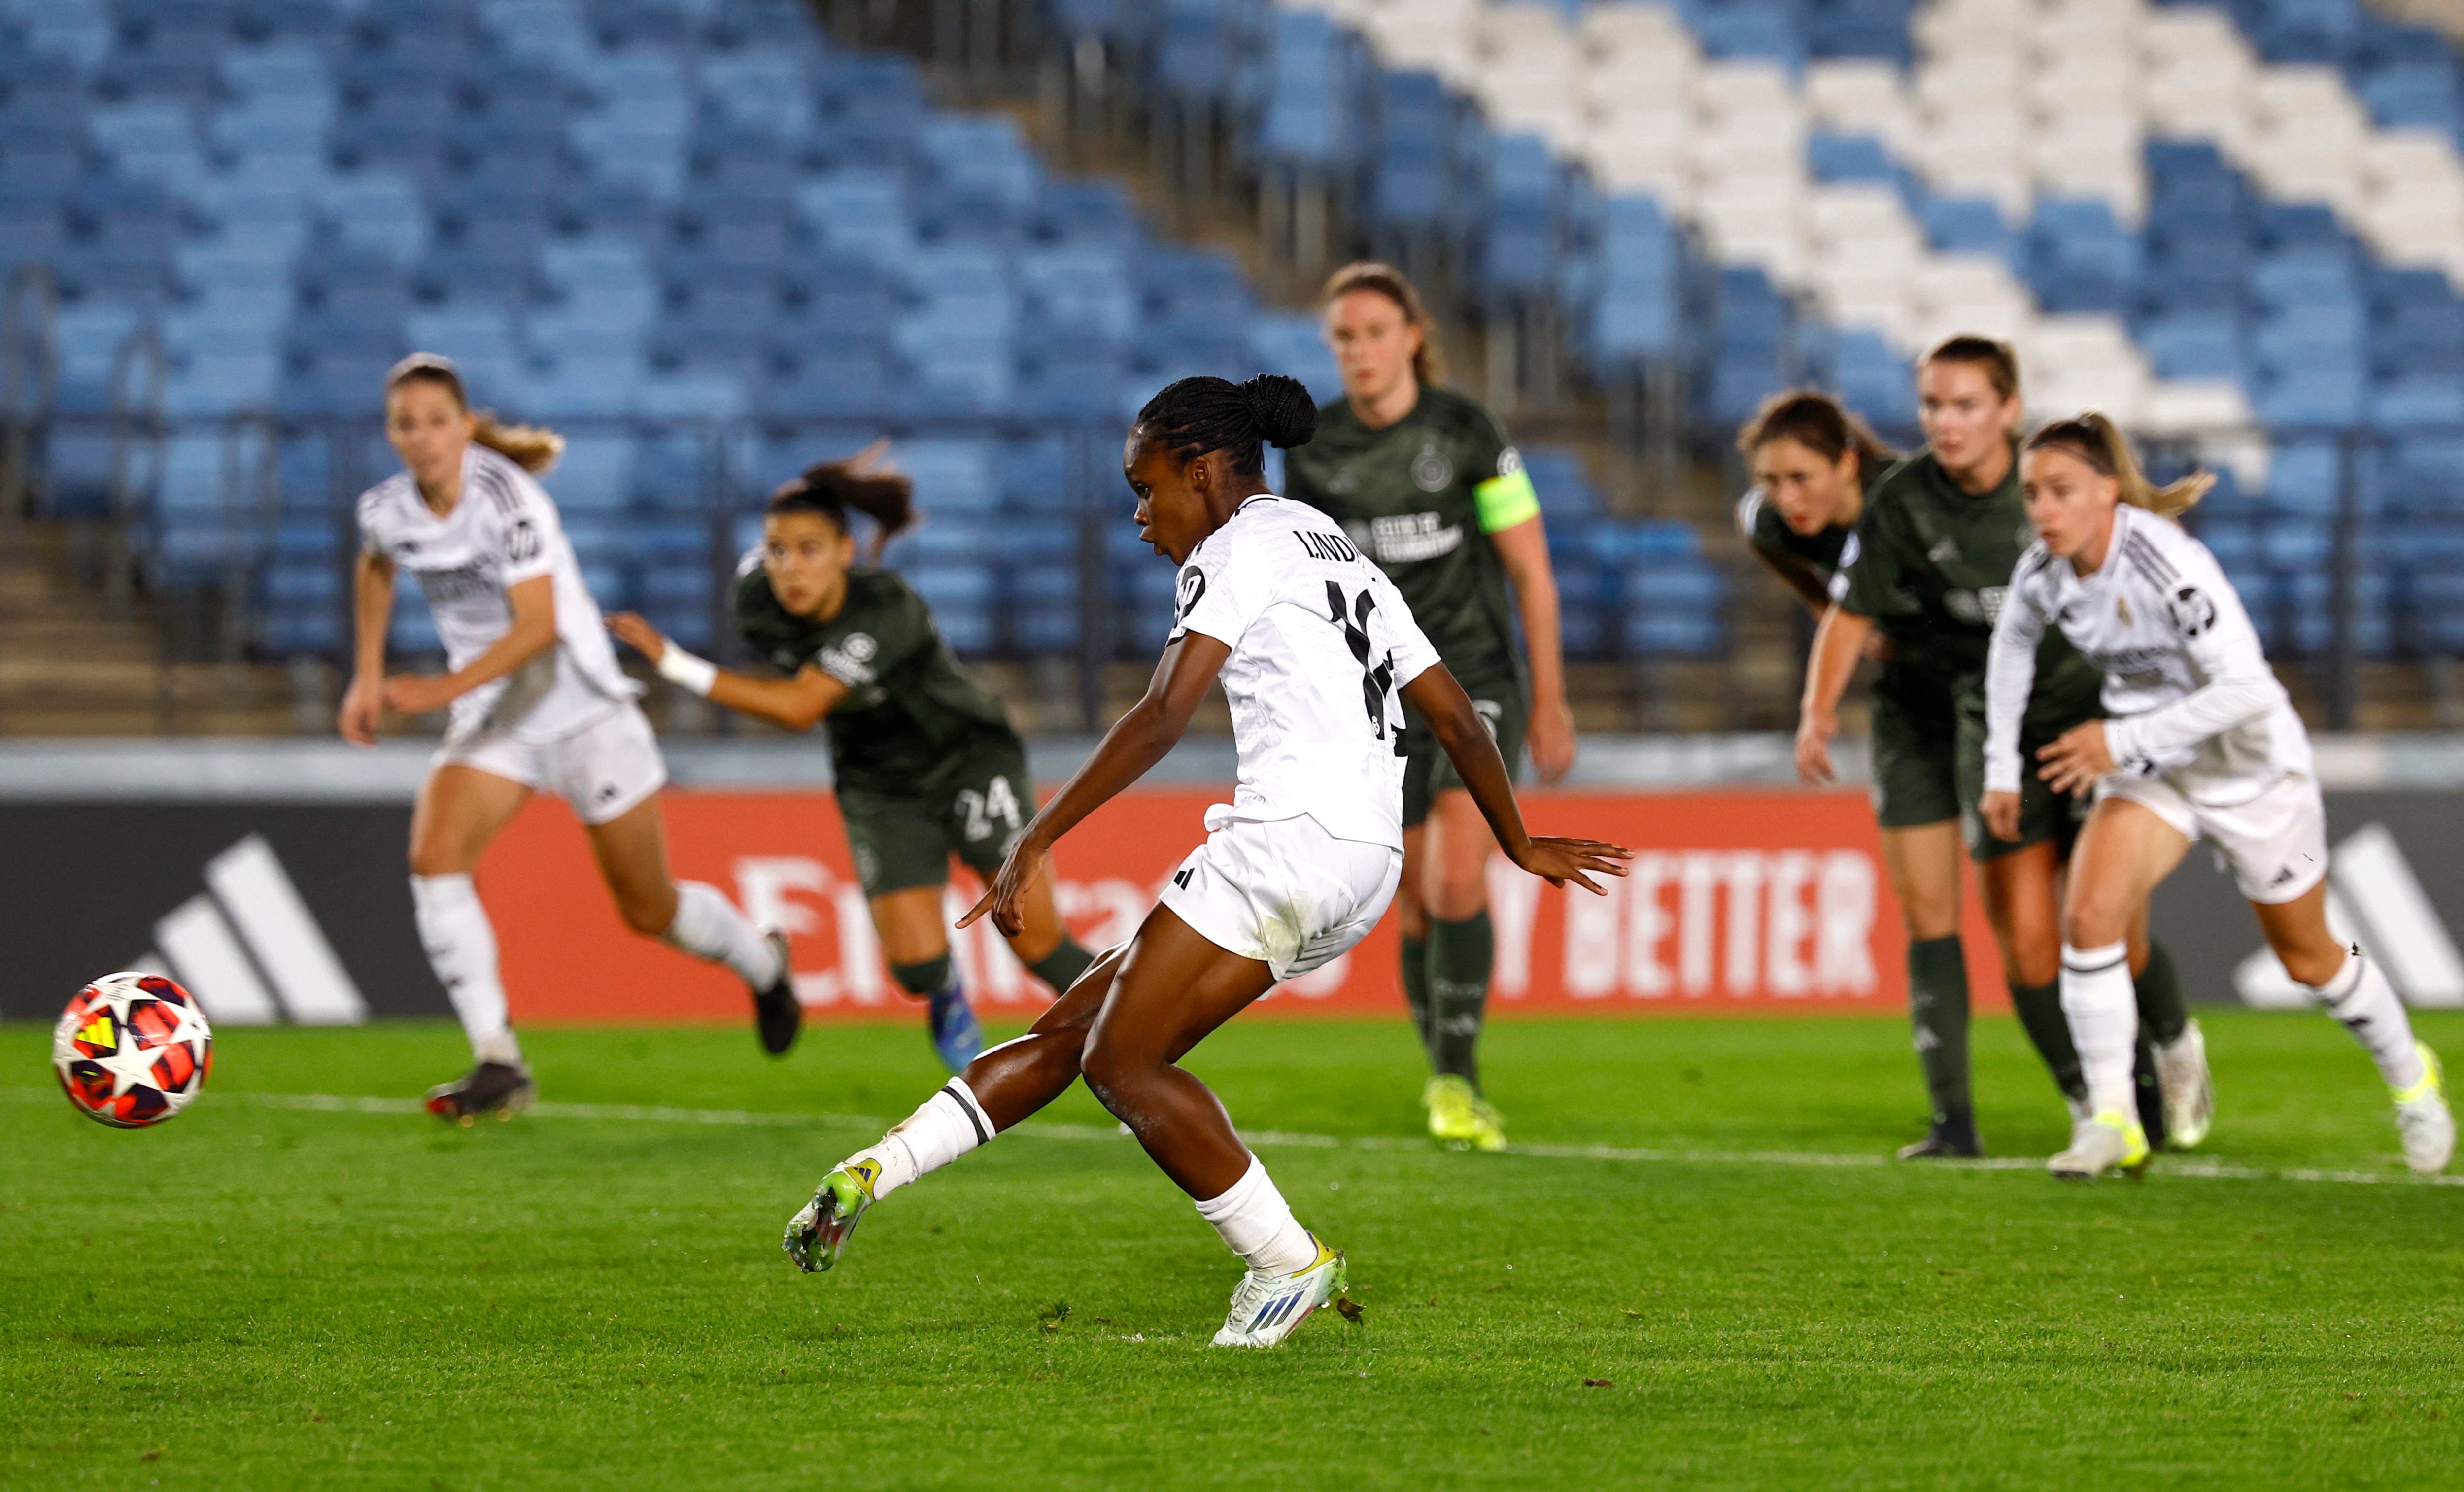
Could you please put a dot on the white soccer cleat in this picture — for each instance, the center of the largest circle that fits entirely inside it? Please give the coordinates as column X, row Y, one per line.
column 2422, row 1118
column 2189, row 1092
column 2099, row 1145
column 1268, row 1307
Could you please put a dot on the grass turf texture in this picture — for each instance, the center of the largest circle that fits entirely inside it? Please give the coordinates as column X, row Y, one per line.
column 268, row 1297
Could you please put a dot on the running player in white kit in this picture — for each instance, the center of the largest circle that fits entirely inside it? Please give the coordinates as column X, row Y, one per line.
column 538, row 703
column 2201, row 742
column 1312, row 645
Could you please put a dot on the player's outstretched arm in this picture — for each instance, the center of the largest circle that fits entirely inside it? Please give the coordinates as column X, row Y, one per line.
column 1128, row 751
column 1448, row 710
column 796, row 703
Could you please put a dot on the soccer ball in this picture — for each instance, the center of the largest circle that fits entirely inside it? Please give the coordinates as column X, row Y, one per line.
column 132, row 1049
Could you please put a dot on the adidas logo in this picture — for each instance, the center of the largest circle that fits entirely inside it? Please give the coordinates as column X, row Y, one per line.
column 1945, row 550
column 2377, row 905
column 2283, row 876
column 249, row 950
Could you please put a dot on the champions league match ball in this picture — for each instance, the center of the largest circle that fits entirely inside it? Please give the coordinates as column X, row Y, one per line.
column 132, row 1049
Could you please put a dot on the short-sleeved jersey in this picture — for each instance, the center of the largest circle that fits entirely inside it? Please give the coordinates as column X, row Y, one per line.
column 1321, row 640
column 1419, row 497
column 911, row 715
column 2187, row 682
column 501, row 532
column 1933, row 562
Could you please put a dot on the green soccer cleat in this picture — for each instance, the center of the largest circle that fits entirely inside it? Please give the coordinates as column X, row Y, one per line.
column 2108, row 1142
column 818, row 1233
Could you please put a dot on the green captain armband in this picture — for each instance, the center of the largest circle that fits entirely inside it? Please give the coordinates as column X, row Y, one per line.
column 1507, row 498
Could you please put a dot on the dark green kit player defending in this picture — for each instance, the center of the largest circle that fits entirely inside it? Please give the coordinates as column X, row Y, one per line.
column 925, row 761
column 1426, row 483
column 1934, row 550
column 1813, row 464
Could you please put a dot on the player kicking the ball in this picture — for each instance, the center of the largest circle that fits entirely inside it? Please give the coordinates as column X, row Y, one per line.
column 2202, row 742
column 538, row 702
column 1312, row 646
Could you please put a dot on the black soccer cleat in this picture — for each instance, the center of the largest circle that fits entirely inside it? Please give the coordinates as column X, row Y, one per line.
column 491, row 1087
column 777, row 1015
column 1945, row 1140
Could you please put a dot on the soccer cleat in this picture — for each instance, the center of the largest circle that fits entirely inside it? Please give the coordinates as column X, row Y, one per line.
column 1488, row 1125
column 2422, row 1118
column 777, row 1013
column 818, row 1233
column 500, row 1088
column 957, row 1034
column 1452, row 1119
column 1946, row 1139
column 2105, row 1143
column 2189, row 1092
column 1268, row 1307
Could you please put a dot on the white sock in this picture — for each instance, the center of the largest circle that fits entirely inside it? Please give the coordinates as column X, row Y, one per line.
column 1254, row 1224
column 947, row 1126
column 462, row 949
column 709, row 927
column 2103, row 1016
column 2360, row 997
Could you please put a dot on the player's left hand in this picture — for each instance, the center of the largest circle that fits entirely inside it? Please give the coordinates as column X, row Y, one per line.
column 2076, row 759
column 1000, row 899
column 1552, row 738
column 638, row 634
column 1558, row 861
column 419, row 694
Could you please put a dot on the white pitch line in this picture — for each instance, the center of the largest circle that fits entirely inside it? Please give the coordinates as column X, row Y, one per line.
column 748, row 1118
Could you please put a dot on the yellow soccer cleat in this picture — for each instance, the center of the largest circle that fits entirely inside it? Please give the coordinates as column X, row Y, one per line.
column 2110, row 1141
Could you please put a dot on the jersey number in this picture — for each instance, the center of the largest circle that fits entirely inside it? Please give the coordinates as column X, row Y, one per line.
column 997, row 801
column 1376, row 680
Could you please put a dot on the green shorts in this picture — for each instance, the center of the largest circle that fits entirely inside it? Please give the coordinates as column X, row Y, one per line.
column 901, row 841
column 1427, row 771
column 1930, row 768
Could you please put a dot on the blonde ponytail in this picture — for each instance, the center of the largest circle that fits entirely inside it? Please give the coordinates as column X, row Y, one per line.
column 533, row 447
column 2092, row 438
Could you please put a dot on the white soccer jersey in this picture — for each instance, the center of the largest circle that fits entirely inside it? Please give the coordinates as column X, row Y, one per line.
column 502, row 531
column 2186, row 681
column 1321, row 640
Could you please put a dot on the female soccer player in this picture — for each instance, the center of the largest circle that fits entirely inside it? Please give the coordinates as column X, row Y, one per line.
column 2201, row 742
column 1813, row 464
column 1311, row 643
column 1424, row 481
column 538, row 702
column 1935, row 547
column 925, row 761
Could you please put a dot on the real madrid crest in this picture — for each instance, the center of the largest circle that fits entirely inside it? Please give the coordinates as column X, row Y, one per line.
column 2122, row 608
column 1431, row 471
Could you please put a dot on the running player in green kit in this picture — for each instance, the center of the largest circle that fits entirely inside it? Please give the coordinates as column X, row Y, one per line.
column 925, row 761
column 1935, row 547
column 1426, row 484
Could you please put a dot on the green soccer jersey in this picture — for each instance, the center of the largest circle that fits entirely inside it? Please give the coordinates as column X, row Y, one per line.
column 1421, row 497
column 1822, row 551
column 910, row 714
column 1930, row 567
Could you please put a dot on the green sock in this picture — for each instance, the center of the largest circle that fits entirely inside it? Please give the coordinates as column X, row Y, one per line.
column 2041, row 1011
column 1061, row 967
column 2162, row 1012
column 1938, row 1011
column 1460, row 955
column 1415, row 984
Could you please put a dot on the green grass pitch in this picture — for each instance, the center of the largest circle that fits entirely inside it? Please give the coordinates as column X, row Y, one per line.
column 266, row 1296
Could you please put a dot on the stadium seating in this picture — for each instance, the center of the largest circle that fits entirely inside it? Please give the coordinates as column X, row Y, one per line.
column 705, row 244
column 2197, row 219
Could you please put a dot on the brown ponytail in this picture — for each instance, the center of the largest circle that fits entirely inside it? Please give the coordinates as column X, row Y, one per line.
column 1428, row 364
column 2092, row 438
column 1821, row 425
column 861, row 483
column 531, row 448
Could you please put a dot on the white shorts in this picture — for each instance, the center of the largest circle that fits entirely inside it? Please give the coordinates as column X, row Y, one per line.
column 603, row 769
column 1284, row 892
column 2276, row 844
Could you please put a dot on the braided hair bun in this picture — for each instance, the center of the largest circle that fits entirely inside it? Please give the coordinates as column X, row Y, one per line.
column 1198, row 415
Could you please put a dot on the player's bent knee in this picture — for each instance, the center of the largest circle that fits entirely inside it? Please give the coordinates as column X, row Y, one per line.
column 2092, row 923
